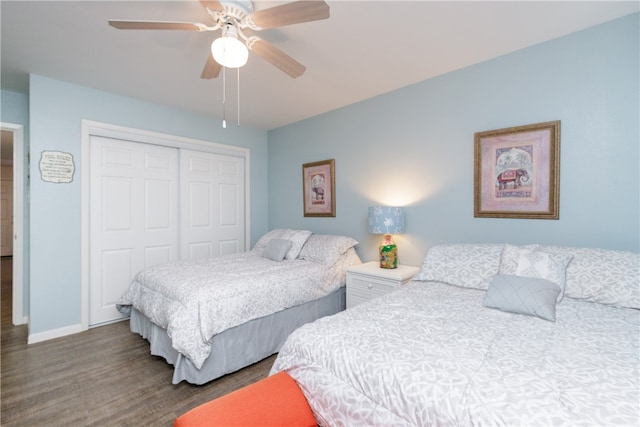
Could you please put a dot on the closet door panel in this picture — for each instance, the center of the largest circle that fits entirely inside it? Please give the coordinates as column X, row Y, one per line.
column 231, row 190
column 117, row 267
column 133, row 217
column 199, row 205
column 213, row 195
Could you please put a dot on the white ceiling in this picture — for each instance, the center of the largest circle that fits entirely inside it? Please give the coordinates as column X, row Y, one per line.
column 364, row 49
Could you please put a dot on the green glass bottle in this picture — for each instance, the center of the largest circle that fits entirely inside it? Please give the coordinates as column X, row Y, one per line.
column 388, row 253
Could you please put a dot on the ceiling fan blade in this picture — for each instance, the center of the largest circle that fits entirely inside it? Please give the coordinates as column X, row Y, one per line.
column 277, row 57
column 211, row 68
column 157, row 25
column 212, row 4
column 291, row 13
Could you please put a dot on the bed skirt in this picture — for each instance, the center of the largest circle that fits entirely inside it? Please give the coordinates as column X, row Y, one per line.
column 239, row 346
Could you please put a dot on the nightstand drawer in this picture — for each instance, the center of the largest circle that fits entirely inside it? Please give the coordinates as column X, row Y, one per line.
column 366, row 281
column 362, row 289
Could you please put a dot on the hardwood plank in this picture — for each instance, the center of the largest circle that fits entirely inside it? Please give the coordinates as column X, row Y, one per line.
column 103, row 376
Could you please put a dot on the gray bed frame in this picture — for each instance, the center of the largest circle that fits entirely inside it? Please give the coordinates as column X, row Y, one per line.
column 239, row 346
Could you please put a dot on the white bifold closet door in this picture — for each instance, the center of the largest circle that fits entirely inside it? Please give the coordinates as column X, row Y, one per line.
column 133, row 218
column 212, row 201
column 152, row 204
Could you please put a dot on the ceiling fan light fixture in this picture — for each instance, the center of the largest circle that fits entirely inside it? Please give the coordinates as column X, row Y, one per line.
column 228, row 51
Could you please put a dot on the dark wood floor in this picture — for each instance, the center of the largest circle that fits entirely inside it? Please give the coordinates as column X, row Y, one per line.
column 101, row 377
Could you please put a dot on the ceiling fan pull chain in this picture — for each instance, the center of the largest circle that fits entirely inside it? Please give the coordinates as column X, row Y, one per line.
column 224, row 97
column 238, row 74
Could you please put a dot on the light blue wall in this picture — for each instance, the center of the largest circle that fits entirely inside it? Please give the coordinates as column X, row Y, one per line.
column 414, row 147
column 14, row 109
column 56, row 111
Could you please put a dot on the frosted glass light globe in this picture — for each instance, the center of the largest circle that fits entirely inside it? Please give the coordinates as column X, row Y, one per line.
column 229, row 52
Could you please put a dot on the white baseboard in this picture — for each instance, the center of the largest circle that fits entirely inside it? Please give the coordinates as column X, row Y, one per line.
column 54, row 333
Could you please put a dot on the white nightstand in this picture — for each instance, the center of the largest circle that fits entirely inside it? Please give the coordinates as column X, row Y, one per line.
column 366, row 281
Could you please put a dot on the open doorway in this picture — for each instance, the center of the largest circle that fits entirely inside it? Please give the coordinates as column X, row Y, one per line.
column 11, row 216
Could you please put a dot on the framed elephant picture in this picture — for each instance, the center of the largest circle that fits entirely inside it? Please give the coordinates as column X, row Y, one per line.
column 319, row 188
column 517, row 172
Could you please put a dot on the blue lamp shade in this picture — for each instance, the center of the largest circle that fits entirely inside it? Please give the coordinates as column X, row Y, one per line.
column 386, row 220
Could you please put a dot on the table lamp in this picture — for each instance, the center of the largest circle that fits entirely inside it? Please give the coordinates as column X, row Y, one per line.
column 387, row 220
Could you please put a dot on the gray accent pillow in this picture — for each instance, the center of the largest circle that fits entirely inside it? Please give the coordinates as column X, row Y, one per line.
column 523, row 295
column 276, row 249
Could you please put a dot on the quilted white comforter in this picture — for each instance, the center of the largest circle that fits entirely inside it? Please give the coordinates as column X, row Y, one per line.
column 195, row 300
column 431, row 354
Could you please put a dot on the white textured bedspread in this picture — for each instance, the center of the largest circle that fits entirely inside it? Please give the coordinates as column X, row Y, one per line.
column 194, row 300
column 430, row 354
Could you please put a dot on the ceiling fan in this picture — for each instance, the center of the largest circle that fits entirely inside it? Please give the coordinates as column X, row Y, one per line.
column 235, row 16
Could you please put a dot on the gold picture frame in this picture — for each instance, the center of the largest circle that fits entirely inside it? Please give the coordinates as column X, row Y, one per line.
column 517, row 172
column 319, row 188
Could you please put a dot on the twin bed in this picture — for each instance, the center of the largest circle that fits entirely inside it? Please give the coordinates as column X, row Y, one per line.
column 466, row 343
column 213, row 316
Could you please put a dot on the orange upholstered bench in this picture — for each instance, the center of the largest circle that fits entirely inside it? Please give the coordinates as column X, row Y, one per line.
column 274, row 401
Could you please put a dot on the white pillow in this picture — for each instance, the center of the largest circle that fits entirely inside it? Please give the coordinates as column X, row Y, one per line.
column 604, row 276
column 277, row 233
column 534, row 263
column 468, row 265
column 510, row 256
column 297, row 237
column 326, row 248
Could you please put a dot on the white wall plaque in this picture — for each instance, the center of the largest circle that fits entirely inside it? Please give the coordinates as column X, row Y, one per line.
column 57, row 166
